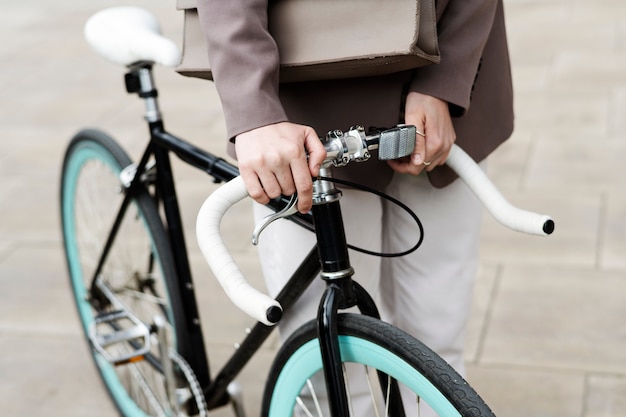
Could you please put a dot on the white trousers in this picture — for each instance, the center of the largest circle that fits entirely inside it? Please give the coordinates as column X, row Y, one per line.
column 427, row 293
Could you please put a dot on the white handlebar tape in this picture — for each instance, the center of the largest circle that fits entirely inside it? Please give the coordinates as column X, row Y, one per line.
column 496, row 204
column 267, row 310
column 251, row 301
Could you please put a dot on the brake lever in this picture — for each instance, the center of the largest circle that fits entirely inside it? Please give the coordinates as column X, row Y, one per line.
column 288, row 210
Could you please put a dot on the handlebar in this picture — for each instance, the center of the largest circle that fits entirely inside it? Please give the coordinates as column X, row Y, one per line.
column 251, row 301
column 343, row 148
column 503, row 211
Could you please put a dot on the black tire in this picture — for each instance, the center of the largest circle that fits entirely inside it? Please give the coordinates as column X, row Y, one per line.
column 379, row 346
column 139, row 268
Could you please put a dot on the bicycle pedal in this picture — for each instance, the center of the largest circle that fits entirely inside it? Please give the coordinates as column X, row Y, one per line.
column 118, row 335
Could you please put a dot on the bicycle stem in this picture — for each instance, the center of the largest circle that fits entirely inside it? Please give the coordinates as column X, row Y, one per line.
column 355, row 145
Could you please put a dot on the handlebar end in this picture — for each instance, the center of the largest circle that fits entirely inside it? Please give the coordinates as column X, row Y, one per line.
column 548, row 227
column 274, row 314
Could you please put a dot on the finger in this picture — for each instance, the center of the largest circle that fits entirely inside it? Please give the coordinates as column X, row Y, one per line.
column 303, row 173
column 254, row 187
column 304, row 186
column 405, row 166
column 285, row 181
column 436, row 161
column 419, row 153
column 439, row 149
column 316, row 151
column 270, row 184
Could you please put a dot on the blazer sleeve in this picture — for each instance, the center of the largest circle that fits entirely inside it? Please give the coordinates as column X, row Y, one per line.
column 463, row 28
column 244, row 61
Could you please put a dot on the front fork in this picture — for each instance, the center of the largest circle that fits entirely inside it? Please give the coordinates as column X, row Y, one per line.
column 341, row 293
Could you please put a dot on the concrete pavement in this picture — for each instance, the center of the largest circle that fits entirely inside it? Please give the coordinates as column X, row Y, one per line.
column 547, row 332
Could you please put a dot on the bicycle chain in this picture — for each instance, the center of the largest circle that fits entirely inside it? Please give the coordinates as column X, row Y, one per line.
column 192, row 381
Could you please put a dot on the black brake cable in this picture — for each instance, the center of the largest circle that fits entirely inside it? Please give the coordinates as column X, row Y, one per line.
column 392, row 200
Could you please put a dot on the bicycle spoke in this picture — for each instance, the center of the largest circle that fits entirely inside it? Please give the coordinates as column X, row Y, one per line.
column 314, row 397
column 142, row 296
column 303, row 407
column 311, row 396
column 387, row 397
column 145, row 389
column 418, row 400
column 371, row 390
column 347, row 381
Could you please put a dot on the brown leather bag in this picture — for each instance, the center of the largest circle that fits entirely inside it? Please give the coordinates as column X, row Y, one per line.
column 342, row 38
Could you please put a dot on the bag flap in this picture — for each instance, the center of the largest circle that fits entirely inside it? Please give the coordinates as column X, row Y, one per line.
column 185, row 4
column 328, row 36
column 329, row 45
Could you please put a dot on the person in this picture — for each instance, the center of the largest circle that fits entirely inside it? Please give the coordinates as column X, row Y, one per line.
column 465, row 99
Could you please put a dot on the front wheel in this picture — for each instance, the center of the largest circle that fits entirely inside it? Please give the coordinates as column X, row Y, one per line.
column 369, row 348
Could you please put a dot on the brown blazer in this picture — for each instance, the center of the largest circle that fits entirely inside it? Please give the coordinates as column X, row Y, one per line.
column 473, row 76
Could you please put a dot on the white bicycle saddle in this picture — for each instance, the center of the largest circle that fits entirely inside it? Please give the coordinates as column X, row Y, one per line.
column 127, row 35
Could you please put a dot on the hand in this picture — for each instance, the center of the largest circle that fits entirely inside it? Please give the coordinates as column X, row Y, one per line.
column 431, row 117
column 273, row 160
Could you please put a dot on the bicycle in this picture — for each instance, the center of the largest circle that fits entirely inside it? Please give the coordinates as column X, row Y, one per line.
column 133, row 288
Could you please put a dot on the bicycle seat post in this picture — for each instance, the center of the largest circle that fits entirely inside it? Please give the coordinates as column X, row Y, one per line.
column 139, row 80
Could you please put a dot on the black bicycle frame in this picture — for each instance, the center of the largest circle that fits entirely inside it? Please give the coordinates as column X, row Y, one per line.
column 216, row 389
column 161, row 144
column 330, row 257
